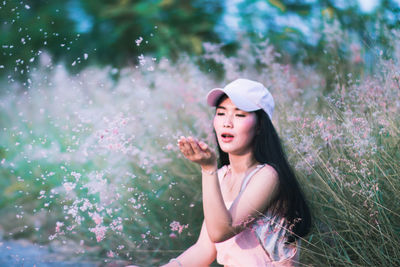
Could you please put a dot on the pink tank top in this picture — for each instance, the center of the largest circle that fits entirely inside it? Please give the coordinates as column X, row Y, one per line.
column 245, row 249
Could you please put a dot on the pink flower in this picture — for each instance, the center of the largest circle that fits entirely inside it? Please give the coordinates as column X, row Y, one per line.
column 110, row 254
column 172, row 235
column 99, row 231
column 76, row 175
column 176, row 226
column 69, row 186
column 96, row 218
column 58, row 226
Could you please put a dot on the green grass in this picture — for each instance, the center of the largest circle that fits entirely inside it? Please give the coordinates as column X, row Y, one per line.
column 121, row 139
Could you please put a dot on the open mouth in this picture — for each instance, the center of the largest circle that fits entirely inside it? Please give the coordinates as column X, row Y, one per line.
column 225, row 137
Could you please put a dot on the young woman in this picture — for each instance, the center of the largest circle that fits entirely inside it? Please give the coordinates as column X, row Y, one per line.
column 254, row 210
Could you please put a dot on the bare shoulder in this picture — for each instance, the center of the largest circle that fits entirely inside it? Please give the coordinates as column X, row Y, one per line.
column 261, row 190
column 268, row 170
column 266, row 175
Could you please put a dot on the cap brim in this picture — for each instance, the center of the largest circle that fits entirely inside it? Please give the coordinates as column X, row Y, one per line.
column 214, row 95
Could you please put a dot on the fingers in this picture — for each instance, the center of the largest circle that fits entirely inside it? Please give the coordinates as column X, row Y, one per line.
column 203, row 145
column 185, row 146
column 190, row 146
column 196, row 151
column 194, row 145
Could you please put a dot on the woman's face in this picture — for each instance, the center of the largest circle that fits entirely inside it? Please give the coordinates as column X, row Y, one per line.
column 235, row 128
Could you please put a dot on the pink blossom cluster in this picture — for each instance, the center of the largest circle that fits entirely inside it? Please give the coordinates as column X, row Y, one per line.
column 99, row 231
column 176, row 226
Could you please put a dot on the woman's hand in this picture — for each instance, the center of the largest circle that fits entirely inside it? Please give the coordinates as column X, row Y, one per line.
column 198, row 152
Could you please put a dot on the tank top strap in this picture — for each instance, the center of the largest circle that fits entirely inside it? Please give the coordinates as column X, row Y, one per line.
column 248, row 177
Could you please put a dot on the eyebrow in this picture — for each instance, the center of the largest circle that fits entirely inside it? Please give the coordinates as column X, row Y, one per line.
column 222, row 107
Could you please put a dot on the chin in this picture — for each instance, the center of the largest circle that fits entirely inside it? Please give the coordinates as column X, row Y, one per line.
column 226, row 148
column 233, row 151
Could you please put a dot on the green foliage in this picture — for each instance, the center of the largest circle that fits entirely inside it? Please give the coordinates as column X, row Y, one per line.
column 28, row 29
column 167, row 27
column 100, row 153
column 324, row 33
column 86, row 138
column 81, row 33
column 116, row 32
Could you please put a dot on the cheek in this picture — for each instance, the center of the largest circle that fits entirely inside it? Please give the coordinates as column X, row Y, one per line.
column 215, row 123
column 249, row 128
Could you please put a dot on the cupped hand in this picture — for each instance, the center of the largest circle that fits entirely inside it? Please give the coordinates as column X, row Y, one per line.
column 198, row 152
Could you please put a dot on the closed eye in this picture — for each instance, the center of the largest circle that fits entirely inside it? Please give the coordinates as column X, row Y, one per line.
column 220, row 113
column 240, row 115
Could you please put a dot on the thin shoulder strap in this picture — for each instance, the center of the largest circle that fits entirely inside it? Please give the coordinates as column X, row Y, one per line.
column 248, row 177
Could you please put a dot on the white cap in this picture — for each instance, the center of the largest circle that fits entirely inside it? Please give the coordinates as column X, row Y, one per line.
column 247, row 95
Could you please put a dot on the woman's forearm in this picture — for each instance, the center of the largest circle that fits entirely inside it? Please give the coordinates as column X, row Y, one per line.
column 217, row 217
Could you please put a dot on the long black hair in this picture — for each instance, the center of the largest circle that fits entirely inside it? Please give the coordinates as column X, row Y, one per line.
column 290, row 202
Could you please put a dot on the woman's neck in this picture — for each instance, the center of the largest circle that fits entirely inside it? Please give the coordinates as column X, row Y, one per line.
column 241, row 163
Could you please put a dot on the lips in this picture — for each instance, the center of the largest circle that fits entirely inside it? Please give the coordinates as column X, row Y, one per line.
column 227, row 137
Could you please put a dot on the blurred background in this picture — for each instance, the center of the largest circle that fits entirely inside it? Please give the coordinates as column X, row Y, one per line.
column 115, row 33
column 94, row 94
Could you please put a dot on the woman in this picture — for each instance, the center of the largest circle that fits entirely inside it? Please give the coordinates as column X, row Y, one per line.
column 254, row 210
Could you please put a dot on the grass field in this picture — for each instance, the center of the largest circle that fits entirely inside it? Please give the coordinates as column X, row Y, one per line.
column 90, row 162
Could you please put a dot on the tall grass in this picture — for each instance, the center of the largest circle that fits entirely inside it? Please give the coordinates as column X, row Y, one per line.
column 350, row 162
column 93, row 162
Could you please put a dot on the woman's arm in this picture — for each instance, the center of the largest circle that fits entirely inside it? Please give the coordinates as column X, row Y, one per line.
column 202, row 253
column 221, row 223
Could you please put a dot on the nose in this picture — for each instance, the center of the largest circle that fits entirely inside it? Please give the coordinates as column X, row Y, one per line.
column 228, row 123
